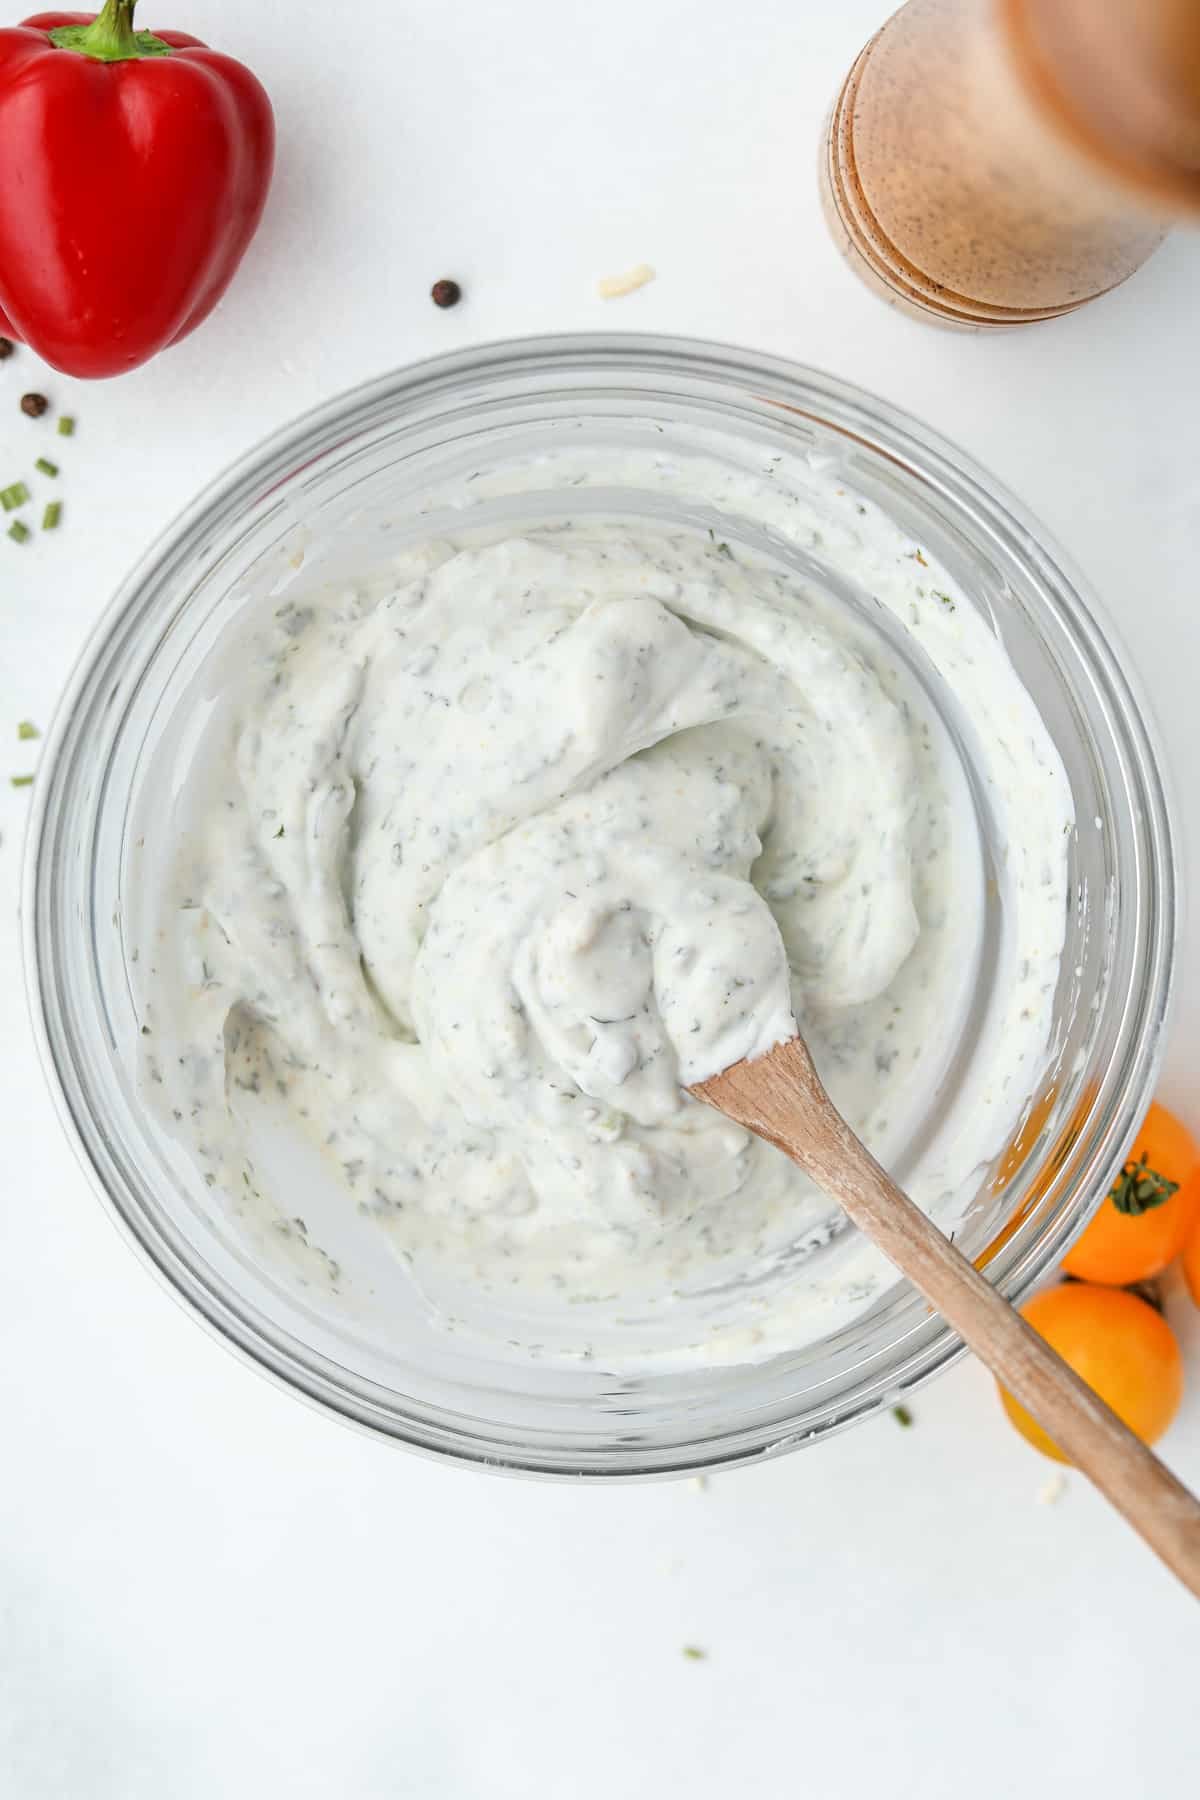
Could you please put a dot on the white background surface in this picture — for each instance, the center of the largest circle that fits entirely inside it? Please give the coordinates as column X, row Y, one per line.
column 207, row 1590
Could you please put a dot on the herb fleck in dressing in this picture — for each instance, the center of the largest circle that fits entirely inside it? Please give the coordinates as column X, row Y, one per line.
column 495, row 853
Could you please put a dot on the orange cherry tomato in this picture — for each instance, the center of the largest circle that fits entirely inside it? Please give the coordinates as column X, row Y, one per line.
column 1152, row 1209
column 1119, row 1345
column 1190, row 1264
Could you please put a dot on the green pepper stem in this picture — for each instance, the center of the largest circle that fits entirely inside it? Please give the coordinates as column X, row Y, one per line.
column 110, row 37
column 110, row 33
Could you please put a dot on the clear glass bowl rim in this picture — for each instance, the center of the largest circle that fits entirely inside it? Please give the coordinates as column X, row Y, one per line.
column 629, row 357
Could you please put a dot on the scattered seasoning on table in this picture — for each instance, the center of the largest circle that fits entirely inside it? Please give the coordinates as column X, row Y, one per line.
column 20, row 780
column 6, row 348
column 902, row 1416
column 445, row 293
column 694, row 1653
column 17, row 493
column 27, row 730
column 615, row 287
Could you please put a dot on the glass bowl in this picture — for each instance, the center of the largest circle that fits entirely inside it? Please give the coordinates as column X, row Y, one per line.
column 325, row 492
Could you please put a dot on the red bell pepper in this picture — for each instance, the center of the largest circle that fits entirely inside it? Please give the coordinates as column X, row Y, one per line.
column 134, row 167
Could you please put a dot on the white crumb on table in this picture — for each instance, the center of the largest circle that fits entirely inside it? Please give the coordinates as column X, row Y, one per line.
column 613, row 287
column 699, row 1484
column 1052, row 1491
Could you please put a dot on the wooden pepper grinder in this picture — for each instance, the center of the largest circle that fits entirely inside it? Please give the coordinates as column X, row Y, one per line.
column 995, row 162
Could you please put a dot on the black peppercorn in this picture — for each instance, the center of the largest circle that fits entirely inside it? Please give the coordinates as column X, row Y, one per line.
column 6, row 348
column 34, row 405
column 445, row 293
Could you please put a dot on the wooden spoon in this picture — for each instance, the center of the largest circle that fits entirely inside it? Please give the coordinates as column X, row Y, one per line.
column 780, row 1097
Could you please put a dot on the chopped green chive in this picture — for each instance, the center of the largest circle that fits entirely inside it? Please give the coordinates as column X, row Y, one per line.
column 27, row 730
column 46, row 466
column 18, row 532
column 66, row 426
column 694, row 1653
column 52, row 515
column 14, row 495
column 21, row 780
column 902, row 1416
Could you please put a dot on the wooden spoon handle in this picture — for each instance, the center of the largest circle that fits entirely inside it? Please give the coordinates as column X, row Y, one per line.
column 780, row 1097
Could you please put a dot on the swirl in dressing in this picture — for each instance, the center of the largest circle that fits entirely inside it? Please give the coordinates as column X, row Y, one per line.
column 508, row 846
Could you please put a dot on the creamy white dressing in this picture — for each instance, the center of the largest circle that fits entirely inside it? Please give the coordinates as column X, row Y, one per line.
column 484, row 859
